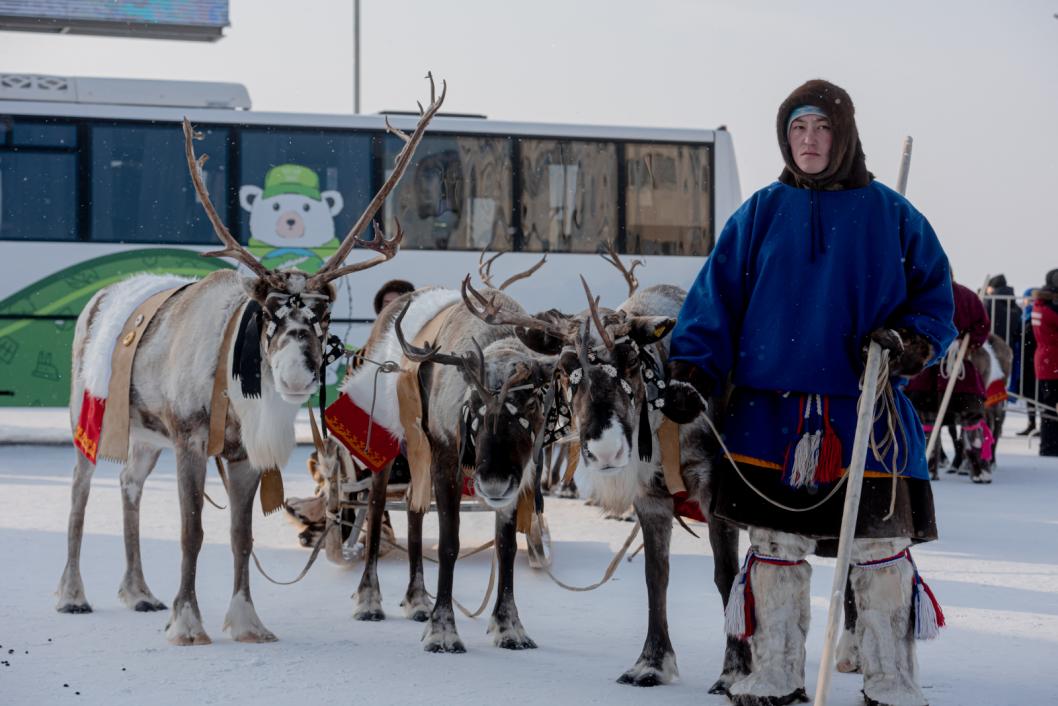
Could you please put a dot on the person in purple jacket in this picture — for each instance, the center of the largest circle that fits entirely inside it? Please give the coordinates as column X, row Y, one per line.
column 805, row 274
column 967, row 405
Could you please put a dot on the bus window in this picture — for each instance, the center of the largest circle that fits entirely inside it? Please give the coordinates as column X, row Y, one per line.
column 300, row 192
column 456, row 195
column 569, row 195
column 43, row 134
column 38, row 188
column 141, row 191
column 667, row 201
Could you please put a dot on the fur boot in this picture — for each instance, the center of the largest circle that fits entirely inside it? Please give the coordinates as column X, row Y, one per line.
column 781, row 612
column 884, row 624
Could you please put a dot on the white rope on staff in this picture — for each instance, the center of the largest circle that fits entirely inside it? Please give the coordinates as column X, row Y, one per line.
column 864, row 423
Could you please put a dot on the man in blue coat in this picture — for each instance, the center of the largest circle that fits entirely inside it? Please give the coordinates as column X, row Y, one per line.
column 803, row 276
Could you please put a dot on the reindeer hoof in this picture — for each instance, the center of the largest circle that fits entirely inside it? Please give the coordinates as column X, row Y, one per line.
column 848, row 667
column 149, row 606
column 720, row 686
column 420, row 616
column 454, row 647
column 648, row 679
column 256, row 637
column 74, row 608
column 185, row 640
column 370, row 615
column 516, row 643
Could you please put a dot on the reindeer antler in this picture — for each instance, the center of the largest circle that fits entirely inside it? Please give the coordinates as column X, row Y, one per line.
column 474, row 369
column 485, row 270
column 333, row 268
column 593, row 307
column 614, row 259
column 491, row 313
column 233, row 248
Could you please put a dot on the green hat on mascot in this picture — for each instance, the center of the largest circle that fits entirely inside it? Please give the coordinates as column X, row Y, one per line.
column 291, row 179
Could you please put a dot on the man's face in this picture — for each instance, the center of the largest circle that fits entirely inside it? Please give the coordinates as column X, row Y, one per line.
column 810, row 139
column 388, row 297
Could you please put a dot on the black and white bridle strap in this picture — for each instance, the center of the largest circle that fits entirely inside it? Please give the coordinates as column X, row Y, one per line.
column 333, row 348
column 650, row 371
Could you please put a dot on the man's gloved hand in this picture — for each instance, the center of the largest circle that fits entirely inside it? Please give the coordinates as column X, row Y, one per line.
column 685, row 391
column 908, row 351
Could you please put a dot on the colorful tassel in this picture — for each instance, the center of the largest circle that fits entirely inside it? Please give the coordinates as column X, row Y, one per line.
column 987, row 439
column 739, row 617
column 828, row 470
column 928, row 616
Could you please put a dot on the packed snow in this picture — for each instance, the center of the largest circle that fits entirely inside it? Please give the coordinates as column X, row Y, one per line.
column 995, row 571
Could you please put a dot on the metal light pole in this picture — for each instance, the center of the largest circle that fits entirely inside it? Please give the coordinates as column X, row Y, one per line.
column 356, row 57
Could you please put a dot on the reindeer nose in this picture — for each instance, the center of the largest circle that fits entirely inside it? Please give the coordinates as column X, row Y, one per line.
column 496, row 492
column 609, row 451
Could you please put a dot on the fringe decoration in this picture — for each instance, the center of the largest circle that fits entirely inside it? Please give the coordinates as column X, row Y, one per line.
column 246, row 357
column 828, row 469
column 929, row 618
column 272, row 494
column 646, row 436
column 740, row 619
column 816, row 458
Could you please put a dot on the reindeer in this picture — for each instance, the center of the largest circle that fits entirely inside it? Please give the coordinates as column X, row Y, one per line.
column 279, row 356
column 484, row 409
column 611, row 362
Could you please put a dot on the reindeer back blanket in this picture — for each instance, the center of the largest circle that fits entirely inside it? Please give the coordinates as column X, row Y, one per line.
column 124, row 313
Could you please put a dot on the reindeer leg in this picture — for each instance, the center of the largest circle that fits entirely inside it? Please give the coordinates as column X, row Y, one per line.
column 657, row 662
column 241, row 620
column 505, row 626
column 71, row 587
column 441, row 634
column 723, row 538
column 368, row 596
column 848, row 657
column 185, row 621
column 134, row 591
column 416, row 603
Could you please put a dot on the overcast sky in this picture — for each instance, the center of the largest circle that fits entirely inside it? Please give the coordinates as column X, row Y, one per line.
column 975, row 83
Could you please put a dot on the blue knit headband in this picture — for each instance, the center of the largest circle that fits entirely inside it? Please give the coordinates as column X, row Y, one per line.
column 801, row 111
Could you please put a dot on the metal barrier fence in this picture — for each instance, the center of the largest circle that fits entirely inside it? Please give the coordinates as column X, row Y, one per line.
column 1003, row 310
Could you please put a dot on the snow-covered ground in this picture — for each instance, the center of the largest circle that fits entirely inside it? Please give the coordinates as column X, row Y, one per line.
column 995, row 571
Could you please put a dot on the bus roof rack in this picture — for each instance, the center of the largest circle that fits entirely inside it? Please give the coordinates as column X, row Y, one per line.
column 414, row 114
column 124, row 91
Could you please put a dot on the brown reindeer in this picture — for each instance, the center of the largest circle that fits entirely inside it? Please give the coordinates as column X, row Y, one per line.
column 271, row 368
column 484, row 408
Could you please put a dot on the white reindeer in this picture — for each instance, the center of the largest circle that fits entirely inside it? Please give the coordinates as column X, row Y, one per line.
column 171, row 389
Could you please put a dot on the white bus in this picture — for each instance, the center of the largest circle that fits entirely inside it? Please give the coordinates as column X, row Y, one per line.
column 94, row 186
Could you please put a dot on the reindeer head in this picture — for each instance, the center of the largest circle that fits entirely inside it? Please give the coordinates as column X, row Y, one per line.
column 503, row 421
column 292, row 309
column 611, row 380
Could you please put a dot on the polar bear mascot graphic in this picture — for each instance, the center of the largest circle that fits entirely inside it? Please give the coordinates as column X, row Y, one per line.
column 291, row 221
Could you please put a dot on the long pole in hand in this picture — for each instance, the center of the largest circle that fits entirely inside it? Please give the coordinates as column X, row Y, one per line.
column 864, row 422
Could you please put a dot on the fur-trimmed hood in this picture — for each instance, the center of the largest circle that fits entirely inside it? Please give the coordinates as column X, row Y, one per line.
column 848, row 167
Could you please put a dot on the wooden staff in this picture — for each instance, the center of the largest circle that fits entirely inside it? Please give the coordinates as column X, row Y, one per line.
column 864, row 422
column 953, row 376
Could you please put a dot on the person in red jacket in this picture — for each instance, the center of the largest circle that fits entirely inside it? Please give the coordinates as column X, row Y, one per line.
column 1045, row 327
column 966, row 407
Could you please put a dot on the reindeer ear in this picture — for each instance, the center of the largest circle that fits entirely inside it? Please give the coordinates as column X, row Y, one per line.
column 256, row 288
column 645, row 330
column 539, row 341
